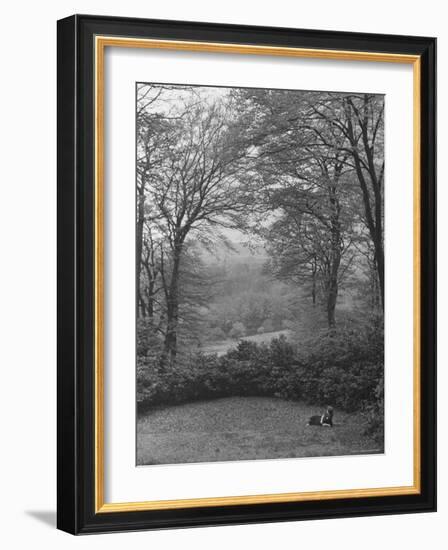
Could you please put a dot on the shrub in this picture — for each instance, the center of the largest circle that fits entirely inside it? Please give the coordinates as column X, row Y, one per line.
column 147, row 340
column 238, row 330
column 343, row 369
column 373, row 411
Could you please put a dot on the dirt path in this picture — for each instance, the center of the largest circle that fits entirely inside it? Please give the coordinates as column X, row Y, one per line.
column 244, row 428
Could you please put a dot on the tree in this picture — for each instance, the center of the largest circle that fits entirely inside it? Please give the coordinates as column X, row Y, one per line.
column 154, row 137
column 359, row 118
column 199, row 185
column 302, row 160
column 311, row 240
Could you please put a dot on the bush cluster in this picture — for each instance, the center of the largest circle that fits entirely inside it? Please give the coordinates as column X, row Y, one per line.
column 373, row 411
column 344, row 369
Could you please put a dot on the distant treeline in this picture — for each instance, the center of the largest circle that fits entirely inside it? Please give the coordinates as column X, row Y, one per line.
column 301, row 172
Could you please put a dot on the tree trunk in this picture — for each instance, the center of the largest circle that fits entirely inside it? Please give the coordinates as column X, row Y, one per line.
column 373, row 213
column 142, row 306
column 139, row 242
column 150, row 304
column 332, row 285
column 331, row 306
column 172, row 310
column 335, row 261
column 379, row 260
column 151, row 275
column 374, row 227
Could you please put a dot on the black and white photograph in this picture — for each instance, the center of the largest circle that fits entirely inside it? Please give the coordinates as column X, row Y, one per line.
column 259, row 273
column 221, row 322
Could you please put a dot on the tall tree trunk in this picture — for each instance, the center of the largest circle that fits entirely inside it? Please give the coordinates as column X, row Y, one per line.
column 379, row 260
column 374, row 226
column 332, row 284
column 373, row 213
column 331, row 306
column 335, row 258
column 151, row 275
column 142, row 306
column 150, row 304
column 139, row 242
column 172, row 309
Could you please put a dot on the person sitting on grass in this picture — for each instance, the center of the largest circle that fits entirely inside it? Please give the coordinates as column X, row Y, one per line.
column 326, row 419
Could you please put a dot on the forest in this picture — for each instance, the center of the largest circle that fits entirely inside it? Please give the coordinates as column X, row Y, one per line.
column 260, row 246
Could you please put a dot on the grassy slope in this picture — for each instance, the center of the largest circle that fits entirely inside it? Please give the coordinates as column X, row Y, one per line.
column 244, row 428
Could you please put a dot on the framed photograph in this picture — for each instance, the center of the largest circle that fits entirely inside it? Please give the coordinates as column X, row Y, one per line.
column 246, row 274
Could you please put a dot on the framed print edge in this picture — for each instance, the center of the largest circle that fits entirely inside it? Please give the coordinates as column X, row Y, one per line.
column 67, row 463
column 81, row 503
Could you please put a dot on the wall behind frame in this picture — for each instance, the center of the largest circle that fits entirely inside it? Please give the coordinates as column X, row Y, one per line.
column 28, row 273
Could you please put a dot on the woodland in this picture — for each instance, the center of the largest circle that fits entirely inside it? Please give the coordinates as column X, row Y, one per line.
column 260, row 247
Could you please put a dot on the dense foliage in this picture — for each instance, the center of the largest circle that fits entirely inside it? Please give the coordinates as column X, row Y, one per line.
column 260, row 214
column 250, row 202
column 344, row 369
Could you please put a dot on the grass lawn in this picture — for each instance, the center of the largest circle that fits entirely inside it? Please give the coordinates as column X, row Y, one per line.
column 245, row 428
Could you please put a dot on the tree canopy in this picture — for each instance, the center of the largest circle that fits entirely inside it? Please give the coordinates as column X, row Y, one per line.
column 297, row 175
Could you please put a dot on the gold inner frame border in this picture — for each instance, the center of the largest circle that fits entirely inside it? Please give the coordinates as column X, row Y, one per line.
column 100, row 44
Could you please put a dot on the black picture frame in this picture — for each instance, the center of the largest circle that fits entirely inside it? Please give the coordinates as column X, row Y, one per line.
column 76, row 256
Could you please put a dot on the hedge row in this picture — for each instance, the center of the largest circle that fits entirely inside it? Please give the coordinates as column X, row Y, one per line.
column 342, row 369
